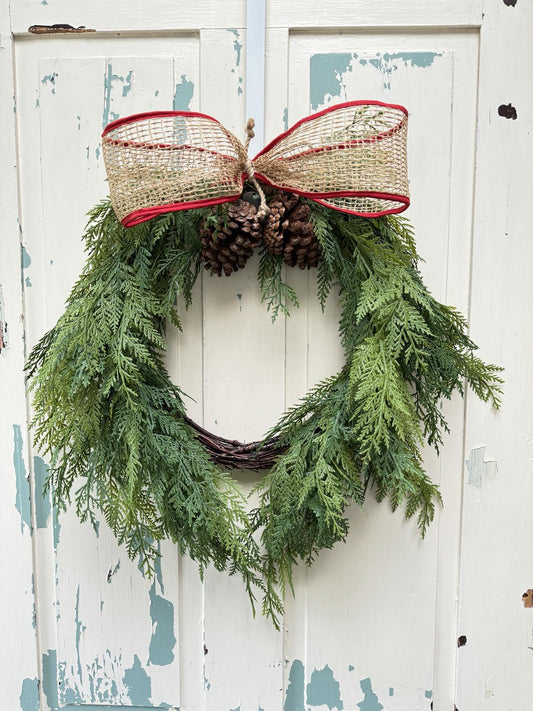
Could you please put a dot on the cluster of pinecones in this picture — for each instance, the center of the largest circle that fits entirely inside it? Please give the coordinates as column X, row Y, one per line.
column 230, row 234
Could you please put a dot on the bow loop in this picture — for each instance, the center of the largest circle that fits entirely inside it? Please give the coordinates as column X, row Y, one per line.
column 351, row 157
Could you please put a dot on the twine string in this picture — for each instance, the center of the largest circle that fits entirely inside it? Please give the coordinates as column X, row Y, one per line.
column 263, row 210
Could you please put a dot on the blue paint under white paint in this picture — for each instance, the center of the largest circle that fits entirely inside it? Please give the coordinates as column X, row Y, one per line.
column 294, row 698
column 327, row 76
column 42, row 497
column 49, row 671
column 29, row 696
column 50, row 79
column 370, row 702
column 237, row 46
column 163, row 641
column 183, row 94
column 127, row 83
column 328, row 71
column 323, row 689
column 109, row 79
column 25, row 257
column 138, row 684
column 79, row 627
column 22, row 499
column 480, row 469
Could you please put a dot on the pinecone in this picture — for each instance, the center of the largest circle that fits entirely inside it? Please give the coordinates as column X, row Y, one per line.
column 228, row 241
column 288, row 231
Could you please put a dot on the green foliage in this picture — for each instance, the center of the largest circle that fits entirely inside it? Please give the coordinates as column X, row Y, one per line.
column 114, row 425
column 363, row 429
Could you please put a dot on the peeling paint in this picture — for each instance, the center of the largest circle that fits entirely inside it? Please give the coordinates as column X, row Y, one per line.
column 138, row 684
column 29, row 696
column 42, row 498
column 49, row 667
column 79, row 628
column 183, row 94
column 370, row 702
column 50, row 78
column 127, row 83
column 113, row 570
column 387, row 63
column 25, row 257
column 323, row 689
column 237, row 46
column 326, row 76
column 22, row 500
column 109, row 78
column 478, row 468
column 56, row 527
column 294, row 699
column 163, row 640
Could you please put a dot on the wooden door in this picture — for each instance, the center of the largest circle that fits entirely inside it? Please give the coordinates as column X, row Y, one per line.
column 375, row 622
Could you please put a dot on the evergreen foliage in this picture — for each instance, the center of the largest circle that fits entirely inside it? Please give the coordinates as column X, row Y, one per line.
column 113, row 423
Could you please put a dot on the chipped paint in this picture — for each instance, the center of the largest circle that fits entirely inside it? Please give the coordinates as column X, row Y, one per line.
column 50, row 78
column 29, row 696
column 113, row 570
column 391, row 691
column 428, row 693
column 183, row 94
column 387, row 63
column 163, row 640
column 294, row 699
column 138, row 684
column 323, row 689
column 510, row 3
column 79, row 629
column 285, row 119
column 22, row 500
column 56, row 527
column 25, row 257
column 49, row 667
column 109, row 78
column 478, row 468
column 326, row 76
column 351, row 667
column 237, row 46
column 42, row 497
column 370, row 702
column 127, row 83
column 27, row 281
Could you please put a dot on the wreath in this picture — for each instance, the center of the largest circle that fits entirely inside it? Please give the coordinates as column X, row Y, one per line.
column 115, row 426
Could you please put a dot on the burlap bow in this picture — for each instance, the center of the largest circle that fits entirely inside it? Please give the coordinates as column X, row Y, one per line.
column 351, row 157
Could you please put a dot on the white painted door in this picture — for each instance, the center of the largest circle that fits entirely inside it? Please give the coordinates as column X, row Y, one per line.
column 374, row 622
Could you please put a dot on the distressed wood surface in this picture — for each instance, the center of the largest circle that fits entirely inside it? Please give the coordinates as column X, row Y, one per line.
column 373, row 624
column 495, row 665
column 19, row 674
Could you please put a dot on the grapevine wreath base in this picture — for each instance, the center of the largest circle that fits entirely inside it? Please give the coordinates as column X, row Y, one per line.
column 119, row 426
